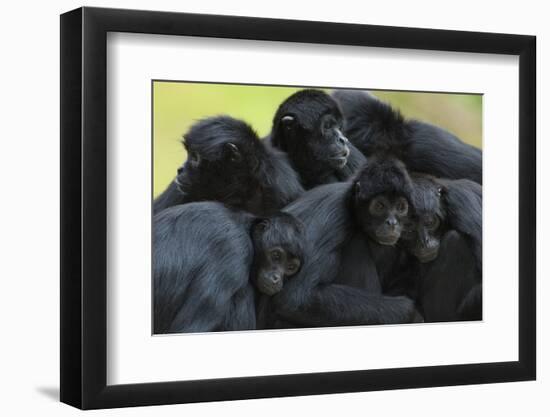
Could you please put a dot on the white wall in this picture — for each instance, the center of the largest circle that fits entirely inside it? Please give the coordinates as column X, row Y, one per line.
column 29, row 163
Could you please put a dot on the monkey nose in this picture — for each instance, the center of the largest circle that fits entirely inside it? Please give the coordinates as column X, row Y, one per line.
column 342, row 140
column 391, row 222
column 275, row 279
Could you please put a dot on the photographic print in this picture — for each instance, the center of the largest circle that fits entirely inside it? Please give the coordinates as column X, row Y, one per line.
column 331, row 216
column 296, row 207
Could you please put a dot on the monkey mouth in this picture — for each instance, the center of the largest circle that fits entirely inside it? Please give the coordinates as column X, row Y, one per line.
column 385, row 237
column 426, row 255
column 339, row 161
column 269, row 289
column 182, row 182
column 179, row 185
column 387, row 240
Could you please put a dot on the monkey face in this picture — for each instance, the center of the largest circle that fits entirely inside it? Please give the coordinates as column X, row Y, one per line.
column 422, row 236
column 382, row 217
column 278, row 251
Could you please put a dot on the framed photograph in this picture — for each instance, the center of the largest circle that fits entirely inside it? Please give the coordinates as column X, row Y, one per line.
column 257, row 208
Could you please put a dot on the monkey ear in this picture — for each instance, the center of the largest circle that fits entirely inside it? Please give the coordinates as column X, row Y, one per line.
column 233, row 152
column 287, row 121
column 356, row 188
column 261, row 225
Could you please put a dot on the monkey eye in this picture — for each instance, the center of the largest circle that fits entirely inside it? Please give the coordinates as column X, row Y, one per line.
column 402, row 206
column 194, row 158
column 377, row 207
column 329, row 124
column 432, row 222
column 276, row 255
column 293, row 266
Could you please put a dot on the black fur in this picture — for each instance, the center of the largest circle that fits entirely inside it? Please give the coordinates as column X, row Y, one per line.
column 375, row 127
column 383, row 176
column 204, row 265
column 470, row 306
column 463, row 201
column 458, row 203
column 338, row 284
column 448, row 287
column 387, row 177
column 202, row 254
column 232, row 166
column 313, row 138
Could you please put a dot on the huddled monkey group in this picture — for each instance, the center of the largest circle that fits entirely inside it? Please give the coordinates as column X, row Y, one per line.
column 347, row 213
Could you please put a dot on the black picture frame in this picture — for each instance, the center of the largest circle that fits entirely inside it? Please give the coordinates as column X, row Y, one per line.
column 84, row 207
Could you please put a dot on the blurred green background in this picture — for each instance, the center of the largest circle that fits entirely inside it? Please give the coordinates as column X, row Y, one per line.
column 177, row 105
